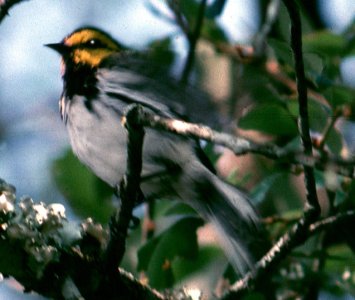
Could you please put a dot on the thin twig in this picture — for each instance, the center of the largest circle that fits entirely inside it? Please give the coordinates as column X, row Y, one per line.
column 247, row 55
column 312, row 208
column 179, row 18
column 278, row 219
column 319, row 261
column 300, row 231
column 193, row 38
column 272, row 13
column 158, row 12
column 5, row 6
column 274, row 70
column 242, row 146
column 143, row 291
column 148, row 227
column 281, row 248
column 129, row 192
column 329, row 126
column 330, row 221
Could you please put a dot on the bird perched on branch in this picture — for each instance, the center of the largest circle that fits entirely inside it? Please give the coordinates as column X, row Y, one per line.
column 101, row 78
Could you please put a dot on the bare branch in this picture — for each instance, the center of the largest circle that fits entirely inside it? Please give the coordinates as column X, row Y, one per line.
column 57, row 258
column 193, row 38
column 312, row 208
column 272, row 13
column 5, row 6
column 329, row 126
column 179, row 18
column 330, row 221
column 129, row 191
column 242, row 146
column 281, row 248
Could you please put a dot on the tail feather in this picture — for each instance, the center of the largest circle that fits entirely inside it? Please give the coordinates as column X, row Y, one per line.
column 236, row 222
column 234, row 217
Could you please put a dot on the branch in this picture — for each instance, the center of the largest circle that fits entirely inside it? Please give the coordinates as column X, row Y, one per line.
column 247, row 55
column 272, row 13
column 242, row 146
column 330, row 221
column 179, row 18
column 282, row 248
column 60, row 259
column 312, row 209
column 327, row 130
column 5, row 6
column 192, row 38
column 129, row 191
column 300, row 231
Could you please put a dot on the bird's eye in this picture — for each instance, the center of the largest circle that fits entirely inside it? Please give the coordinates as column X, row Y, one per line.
column 94, row 43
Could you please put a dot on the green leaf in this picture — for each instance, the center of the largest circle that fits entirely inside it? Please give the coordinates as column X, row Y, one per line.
column 283, row 23
column 180, row 208
column 338, row 260
column 339, row 95
column 215, row 8
column 160, row 52
column 206, row 257
column 145, row 253
column 88, row 195
column 319, row 117
column 253, row 295
column 314, row 66
column 257, row 82
column 282, row 51
column 156, row 257
column 332, row 182
column 189, row 8
column 324, row 43
column 212, row 31
column 260, row 191
column 293, row 108
column 335, row 141
column 270, row 119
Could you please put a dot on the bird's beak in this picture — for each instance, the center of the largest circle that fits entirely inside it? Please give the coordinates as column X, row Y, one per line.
column 59, row 47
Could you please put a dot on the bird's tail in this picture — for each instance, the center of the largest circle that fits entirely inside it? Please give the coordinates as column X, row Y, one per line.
column 232, row 214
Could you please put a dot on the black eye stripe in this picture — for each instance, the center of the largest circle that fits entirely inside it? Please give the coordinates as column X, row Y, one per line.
column 94, row 43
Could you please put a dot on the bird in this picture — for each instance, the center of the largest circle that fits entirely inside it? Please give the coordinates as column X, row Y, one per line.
column 101, row 79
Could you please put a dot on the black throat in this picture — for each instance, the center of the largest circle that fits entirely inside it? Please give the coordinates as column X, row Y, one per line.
column 80, row 80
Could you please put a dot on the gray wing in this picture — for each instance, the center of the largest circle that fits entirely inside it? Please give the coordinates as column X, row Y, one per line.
column 136, row 79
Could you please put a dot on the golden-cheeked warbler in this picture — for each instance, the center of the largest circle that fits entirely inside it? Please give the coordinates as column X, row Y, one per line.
column 101, row 78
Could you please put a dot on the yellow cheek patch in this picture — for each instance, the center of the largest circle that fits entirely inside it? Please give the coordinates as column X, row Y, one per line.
column 91, row 57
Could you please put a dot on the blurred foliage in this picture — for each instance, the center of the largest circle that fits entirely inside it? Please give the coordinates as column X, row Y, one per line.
column 88, row 195
column 271, row 119
column 157, row 256
column 326, row 262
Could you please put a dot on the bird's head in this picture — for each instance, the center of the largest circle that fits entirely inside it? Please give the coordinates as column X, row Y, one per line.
column 87, row 46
